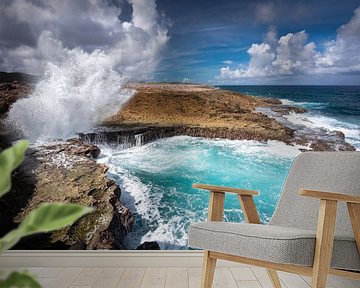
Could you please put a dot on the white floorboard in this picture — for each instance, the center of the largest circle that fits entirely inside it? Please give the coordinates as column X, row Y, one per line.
column 171, row 270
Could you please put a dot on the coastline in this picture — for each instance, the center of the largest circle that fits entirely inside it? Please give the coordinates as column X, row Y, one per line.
column 61, row 171
column 67, row 172
column 204, row 111
column 155, row 111
column 199, row 108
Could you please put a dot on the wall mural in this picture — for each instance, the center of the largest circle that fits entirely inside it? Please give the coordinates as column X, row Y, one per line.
column 117, row 120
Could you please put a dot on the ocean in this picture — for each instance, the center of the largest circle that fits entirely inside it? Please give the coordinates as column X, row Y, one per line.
column 156, row 178
column 330, row 107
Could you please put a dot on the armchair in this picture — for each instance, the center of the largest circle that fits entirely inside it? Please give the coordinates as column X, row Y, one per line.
column 312, row 232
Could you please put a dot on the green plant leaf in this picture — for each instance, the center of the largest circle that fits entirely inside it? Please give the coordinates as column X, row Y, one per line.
column 52, row 216
column 10, row 159
column 46, row 218
column 20, row 280
column 10, row 239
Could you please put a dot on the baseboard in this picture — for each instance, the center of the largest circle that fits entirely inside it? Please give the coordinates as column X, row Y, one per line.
column 101, row 258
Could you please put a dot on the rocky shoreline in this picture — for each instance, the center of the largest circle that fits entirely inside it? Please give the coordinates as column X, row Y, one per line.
column 66, row 171
column 200, row 111
column 62, row 172
column 165, row 110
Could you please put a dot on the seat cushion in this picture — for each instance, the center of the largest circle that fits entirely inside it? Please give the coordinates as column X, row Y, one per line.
column 270, row 243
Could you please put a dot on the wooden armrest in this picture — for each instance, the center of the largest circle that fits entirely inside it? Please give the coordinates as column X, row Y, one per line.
column 217, row 199
column 330, row 196
column 222, row 189
column 326, row 223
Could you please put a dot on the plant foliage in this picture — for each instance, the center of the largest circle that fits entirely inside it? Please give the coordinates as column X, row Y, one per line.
column 48, row 217
column 9, row 160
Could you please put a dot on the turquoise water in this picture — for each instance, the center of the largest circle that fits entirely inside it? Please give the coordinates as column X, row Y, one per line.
column 156, row 178
column 156, row 182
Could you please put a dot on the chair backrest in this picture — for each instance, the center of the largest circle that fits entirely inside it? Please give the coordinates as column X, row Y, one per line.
column 325, row 171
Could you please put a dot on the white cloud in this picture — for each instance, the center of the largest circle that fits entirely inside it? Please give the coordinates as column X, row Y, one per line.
column 57, row 27
column 230, row 74
column 293, row 54
column 342, row 54
column 290, row 56
column 261, row 56
column 86, row 54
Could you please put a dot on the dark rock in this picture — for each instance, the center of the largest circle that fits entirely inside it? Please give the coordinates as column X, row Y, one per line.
column 339, row 134
column 272, row 101
column 77, row 147
column 128, row 135
column 106, row 241
column 10, row 92
column 321, row 145
column 123, row 222
column 17, row 76
column 79, row 245
column 23, row 186
column 64, row 172
column 149, row 246
column 286, row 110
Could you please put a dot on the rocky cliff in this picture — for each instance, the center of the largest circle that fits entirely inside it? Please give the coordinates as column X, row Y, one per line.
column 62, row 172
column 66, row 172
column 203, row 111
column 200, row 110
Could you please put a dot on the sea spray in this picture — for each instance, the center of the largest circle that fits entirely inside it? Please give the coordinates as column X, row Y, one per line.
column 71, row 97
column 83, row 79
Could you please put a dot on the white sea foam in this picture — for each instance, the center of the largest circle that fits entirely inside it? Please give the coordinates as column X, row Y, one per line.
column 303, row 104
column 143, row 174
column 351, row 131
column 138, row 192
column 315, row 121
column 267, row 149
column 270, row 148
column 135, row 194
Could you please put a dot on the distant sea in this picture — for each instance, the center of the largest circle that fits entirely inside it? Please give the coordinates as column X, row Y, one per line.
column 331, row 107
column 156, row 178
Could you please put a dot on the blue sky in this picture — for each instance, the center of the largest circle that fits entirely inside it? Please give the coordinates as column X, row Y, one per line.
column 207, row 41
column 203, row 34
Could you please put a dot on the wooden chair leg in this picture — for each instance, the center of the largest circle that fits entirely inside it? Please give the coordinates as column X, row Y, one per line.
column 274, row 278
column 324, row 243
column 354, row 212
column 208, row 271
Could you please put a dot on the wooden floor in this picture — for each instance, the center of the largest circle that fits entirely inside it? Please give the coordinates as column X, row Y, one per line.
column 170, row 277
column 130, row 269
